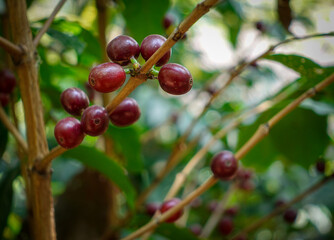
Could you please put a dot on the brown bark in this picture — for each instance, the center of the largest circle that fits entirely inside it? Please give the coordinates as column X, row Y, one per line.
column 40, row 197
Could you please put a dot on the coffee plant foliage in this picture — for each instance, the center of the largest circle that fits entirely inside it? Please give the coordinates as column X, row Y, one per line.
column 283, row 164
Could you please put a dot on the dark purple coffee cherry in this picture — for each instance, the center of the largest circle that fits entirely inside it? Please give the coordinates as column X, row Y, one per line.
column 150, row 45
column 175, row 79
column 122, row 48
column 168, row 205
column 68, row 132
column 126, row 113
column 7, row 81
column 107, row 77
column 196, row 229
column 4, row 99
column 94, row 120
column 224, row 165
column 225, row 226
column 151, row 208
column 279, row 203
column 321, row 166
column 290, row 215
column 167, row 21
column 74, row 101
column 232, row 211
column 260, row 26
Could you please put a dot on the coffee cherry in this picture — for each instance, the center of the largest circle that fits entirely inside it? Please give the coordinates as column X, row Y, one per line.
column 290, row 215
column 4, row 99
column 150, row 45
column 260, row 26
column 225, row 226
column 175, row 79
column 74, row 101
column 224, row 165
column 212, row 205
column 196, row 203
column 321, row 166
column 196, row 229
column 168, row 205
column 279, row 203
column 94, row 120
column 126, row 113
column 167, row 21
column 107, row 77
column 7, row 81
column 244, row 174
column 151, row 208
column 68, row 132
column 232, row 211
column 122, row 48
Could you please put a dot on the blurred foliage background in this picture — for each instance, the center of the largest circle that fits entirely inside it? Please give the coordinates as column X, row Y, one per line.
column 234, row 31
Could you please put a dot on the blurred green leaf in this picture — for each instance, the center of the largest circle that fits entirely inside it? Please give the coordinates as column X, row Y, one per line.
column 6, row 193
column 148, row 12
column 311, row 72
column 171, row 231
column 93, row 158
column 127, row 143
column 232, row 16
column 300, row 137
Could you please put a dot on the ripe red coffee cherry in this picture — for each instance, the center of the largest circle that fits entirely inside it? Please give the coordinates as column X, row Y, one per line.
column 290, row 215
column 224, row 165
column 167, row 21
column 107, row 77
column 175, row 79
column 74, row 101
column 225, row 226
column 151, row 208
column 150, row 45
column 168, row 205
column 7, row 81
column 4, row 99
column 122, row 48
column 68, row 132
column 126, row 113
column 94, row 120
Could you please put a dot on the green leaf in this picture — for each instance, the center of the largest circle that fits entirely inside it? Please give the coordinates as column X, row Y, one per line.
column 232, row 15
column 300, row 138
column 93, row 158
column 311, row 73
column 6, row 193
column 149, row 12
column 127, row 144
column 171, row 231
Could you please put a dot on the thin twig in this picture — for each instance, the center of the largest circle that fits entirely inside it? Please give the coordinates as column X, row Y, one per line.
column 259, row 135
column 11, row 128
column 216, row 215
column 13, row 49
column 48, row 22
column 151, row 225
column 238, row 70
column 282, row 208
column 201, row 9
column 46, row 161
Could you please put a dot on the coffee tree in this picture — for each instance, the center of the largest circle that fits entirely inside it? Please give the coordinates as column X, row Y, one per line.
column 119, row 122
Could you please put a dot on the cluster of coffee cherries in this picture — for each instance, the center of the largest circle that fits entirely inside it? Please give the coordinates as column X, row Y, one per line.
column 70, row 132
column 7, row 85
column 110, row 76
